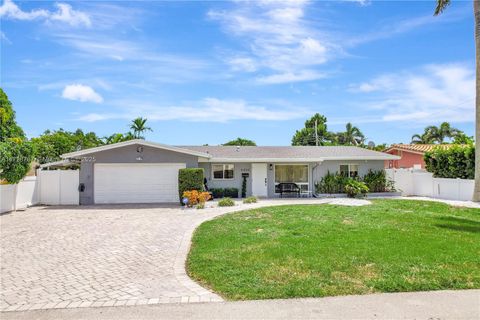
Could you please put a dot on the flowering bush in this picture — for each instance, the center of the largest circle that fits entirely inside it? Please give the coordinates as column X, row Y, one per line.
column 194, row 197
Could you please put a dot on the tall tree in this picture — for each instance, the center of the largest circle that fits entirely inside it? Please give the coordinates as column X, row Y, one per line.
column 139, row 127
column 118, row 137
column 15, row 151
column 434, row 134
column 423, row 138
column 309, row 135
column 441, row 5
column 51, row 145
column 8, row 125
column 240, row 142
column 351, row 136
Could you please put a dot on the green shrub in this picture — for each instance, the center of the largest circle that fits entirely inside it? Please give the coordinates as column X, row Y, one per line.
column 224, row 192
column 331, row 183
column 217, row 192
column 377, row 181
column 201, row 205
column 355, row 188
column 230, row 192
column 15, row 159
column 250, row 200
column 226, row 202
column 455, row 162
column 190, row 179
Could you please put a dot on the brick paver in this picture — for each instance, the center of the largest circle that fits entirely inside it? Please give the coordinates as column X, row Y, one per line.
column 96, row 256
column 68, row 257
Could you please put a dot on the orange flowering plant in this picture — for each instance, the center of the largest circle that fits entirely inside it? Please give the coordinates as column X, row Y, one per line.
column 194, row 197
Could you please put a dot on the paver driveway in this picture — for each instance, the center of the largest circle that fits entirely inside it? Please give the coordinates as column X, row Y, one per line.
column 68, row 257
column 101, row 255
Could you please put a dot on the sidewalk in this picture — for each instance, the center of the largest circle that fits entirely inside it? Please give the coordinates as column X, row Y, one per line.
column 464, row 304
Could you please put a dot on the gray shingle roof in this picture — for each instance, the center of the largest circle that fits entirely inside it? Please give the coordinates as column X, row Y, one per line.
column 300, row 153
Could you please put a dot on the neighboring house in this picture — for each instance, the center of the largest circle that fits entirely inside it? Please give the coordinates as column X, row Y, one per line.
column 411, row 155
column 139, row 171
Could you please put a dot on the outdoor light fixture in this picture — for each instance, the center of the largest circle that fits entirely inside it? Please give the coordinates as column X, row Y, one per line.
column 139, row 149
column 271, row 166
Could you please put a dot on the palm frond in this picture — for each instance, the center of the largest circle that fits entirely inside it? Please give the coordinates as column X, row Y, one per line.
column 441, row 6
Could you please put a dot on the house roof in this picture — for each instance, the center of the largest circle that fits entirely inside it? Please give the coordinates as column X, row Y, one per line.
column 252, row 154
column 417, row 148
column 57, row 164
column 133, row 142
column 289, row 153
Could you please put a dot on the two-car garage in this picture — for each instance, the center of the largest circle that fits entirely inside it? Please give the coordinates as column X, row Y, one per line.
column 136, row 182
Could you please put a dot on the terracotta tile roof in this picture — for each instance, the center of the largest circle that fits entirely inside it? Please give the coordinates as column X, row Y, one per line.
column 421, row 148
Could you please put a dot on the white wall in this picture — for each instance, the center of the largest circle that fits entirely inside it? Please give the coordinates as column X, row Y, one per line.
column 58, row 187
column 421, row 183
column 6, row 197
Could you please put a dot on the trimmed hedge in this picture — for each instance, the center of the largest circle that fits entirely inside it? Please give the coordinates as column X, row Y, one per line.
column 224, row 192
column 455, row 162
column 190, row 179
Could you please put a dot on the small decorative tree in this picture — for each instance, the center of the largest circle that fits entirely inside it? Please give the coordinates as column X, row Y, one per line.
column 244, row 186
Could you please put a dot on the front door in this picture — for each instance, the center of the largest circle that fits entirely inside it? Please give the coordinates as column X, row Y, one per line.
column 259, row 180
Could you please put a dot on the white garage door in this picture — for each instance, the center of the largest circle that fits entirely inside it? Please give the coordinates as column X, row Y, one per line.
column 136, row 183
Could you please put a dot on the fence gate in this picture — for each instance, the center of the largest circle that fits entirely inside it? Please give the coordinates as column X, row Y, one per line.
column 59, row 187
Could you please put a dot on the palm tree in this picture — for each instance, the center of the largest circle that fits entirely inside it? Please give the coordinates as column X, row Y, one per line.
column 138, row 127
column 441, row 5
column 421, row 139
column 434, row 134
column 447, row 131
column 353, row 135
column 118, row 137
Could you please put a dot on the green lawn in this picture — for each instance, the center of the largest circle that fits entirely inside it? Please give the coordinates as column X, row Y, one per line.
column 326, row 250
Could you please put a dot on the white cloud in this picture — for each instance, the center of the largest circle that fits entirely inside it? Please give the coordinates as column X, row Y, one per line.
column 65, row 13
column 244, row 64
column 12, row 11
column 303, row 75
column 81, row 93
column 206, row 110
column 440, row 92
column 278, row 40
column 384, row 82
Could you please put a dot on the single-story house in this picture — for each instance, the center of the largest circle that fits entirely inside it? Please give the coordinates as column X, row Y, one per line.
column 139, row 171
column 411, row 155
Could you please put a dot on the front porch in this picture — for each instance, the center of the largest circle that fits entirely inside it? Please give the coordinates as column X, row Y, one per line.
column 265, row 179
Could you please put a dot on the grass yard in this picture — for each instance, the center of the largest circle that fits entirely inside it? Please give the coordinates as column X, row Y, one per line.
column 326, row 250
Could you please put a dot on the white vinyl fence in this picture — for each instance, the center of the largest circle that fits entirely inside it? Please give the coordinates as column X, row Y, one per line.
column 26, row 194
column 421, row 183
column 59, row 187
column 56, row 187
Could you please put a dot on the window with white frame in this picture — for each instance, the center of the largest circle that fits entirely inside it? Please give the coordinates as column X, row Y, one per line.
column 296, row 173
column 349, row 170
column 223, row 171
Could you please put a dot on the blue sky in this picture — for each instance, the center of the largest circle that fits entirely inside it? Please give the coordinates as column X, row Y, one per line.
column 208, row 72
